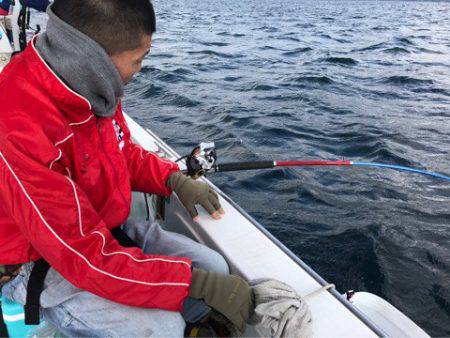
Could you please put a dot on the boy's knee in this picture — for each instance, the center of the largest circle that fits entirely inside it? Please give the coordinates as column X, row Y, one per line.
column 216, row 263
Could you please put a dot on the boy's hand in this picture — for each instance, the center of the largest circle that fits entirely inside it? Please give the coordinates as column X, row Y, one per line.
column 228, row 294
column 191, row 192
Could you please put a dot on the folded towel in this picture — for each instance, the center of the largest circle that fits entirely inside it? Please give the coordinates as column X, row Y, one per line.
column 279, row 308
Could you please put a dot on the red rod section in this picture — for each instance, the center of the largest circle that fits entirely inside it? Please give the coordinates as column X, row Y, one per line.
column 311, row 163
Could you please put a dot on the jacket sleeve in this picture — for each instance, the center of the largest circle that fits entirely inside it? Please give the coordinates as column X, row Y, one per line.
column 58, row 219
column 148, row 171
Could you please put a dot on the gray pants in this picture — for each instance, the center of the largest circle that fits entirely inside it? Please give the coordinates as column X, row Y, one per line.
column 78, row 313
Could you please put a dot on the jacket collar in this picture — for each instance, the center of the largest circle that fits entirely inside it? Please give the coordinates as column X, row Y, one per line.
column 82, row 63
column 75, row 107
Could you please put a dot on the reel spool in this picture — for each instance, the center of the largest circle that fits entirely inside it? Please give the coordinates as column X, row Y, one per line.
column 202, row 159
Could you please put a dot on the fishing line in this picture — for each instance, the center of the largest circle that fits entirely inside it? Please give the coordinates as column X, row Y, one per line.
column 399, row 167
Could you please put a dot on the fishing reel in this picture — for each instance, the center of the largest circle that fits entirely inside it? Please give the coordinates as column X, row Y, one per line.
column 202, row 159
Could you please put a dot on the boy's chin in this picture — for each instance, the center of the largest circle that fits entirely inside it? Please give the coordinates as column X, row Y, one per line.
column 127, row 80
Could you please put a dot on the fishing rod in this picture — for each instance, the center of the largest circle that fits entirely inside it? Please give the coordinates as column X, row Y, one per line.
column 203, row 159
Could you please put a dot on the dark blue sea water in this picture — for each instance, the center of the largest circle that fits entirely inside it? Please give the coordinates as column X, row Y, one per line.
column 291, row 79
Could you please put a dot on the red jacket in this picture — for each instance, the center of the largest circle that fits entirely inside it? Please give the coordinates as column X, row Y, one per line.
column 66, row 178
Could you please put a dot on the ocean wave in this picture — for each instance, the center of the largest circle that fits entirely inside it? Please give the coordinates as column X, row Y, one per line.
column 214, row 43
column 297, row 51
column 282, row 98
column 178, row 100
column 371, row 149
column 346, row 61
column 321, row 80
column 284, row 133
column 151, row 91
column 326, row 36
column 396, row 50
column 261, row 87
column 371, row 47
column 381, row 28
column 182, row 71
column 229, row 118
column 164, row 75
column 267, row 47
column 148, row 69
column 232, row 78
column 210, row 52
column 429, row 51
column 305, row 25
column 170, row 77
column 267, row 29
column 405, row 41
column 439, row 91
column 342, row 40
column 406, row 80
column 234, row 35
column 163, row 55
column 288, row 38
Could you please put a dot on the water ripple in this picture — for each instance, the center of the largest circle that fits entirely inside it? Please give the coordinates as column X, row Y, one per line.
column 406, row 80
column 297, row 51
column 364, row 80
column 346, row 61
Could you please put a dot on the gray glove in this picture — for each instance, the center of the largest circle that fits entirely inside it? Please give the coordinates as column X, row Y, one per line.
column 228, row 294
column 192, row 192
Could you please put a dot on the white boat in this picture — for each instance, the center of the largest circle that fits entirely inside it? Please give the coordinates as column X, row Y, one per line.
column 254, row 253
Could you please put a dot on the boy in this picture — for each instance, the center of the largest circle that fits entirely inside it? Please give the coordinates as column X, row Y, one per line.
column 67, row 169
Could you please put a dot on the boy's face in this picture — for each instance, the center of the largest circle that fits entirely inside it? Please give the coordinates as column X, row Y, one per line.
column 129, row 62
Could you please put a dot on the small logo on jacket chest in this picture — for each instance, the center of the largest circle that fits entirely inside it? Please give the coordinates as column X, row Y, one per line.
column 119, row 134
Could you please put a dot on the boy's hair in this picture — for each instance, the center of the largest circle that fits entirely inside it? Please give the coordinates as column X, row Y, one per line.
column 117, row 25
